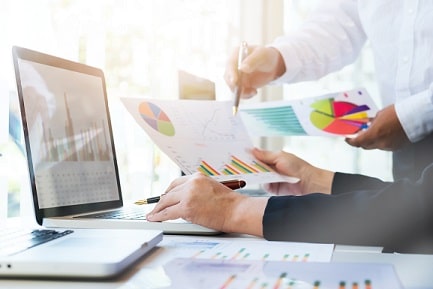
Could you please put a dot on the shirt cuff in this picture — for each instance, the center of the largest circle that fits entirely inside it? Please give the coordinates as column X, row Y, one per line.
column 291, row 61
column 416, row 115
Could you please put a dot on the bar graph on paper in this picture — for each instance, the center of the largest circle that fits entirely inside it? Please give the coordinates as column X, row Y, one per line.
column 250, row 264
column 249, row 250
column 202, row 136
column 235, row 167
column 222, row 274
column 271, row 251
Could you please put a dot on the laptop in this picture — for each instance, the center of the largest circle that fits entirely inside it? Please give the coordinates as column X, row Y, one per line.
column 65, row 253
column 70, row 148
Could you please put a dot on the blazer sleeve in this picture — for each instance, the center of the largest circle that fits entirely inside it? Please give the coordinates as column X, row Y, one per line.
column 397, row 216
column 344, row 183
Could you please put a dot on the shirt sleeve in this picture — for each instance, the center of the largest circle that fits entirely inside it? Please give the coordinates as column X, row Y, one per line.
column 331, row 38
column 416, row 128
column 396, row 216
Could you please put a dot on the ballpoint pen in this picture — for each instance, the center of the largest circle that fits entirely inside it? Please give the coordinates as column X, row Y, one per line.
column 243, row 53
column 231, row 184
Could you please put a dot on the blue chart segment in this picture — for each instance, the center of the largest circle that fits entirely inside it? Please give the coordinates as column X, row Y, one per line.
column 281, row 120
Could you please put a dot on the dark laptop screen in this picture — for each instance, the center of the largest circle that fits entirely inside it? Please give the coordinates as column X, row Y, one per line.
column 67, row 131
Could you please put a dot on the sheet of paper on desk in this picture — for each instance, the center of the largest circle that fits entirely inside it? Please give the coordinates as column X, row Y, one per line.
column 342, row 113
column 183, row 273
column 201, row 135
column 248, row 250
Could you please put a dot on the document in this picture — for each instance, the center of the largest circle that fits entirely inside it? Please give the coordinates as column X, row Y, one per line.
column 344, row 113
column 248, row 250
column 202, row 136
column 189, row 273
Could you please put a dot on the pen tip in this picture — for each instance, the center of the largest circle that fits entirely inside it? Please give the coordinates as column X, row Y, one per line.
column 235, row 110
column 141, row 202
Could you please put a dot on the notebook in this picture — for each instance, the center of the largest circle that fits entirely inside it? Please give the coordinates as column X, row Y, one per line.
column 70, row 148
column 65, row 253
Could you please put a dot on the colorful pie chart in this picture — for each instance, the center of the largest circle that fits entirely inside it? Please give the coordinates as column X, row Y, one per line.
column 339, row 117
column 156, row 118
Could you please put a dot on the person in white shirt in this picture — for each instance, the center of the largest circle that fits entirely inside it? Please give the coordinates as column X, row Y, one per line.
column 400, row 34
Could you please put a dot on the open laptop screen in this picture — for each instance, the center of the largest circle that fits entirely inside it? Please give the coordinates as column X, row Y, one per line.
column 68, row 133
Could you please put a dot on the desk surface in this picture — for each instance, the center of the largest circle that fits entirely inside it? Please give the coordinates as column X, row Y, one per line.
column 415, row 271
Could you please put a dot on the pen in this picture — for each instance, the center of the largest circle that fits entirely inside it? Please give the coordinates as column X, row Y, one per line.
column 231, row 184
column 243, row 52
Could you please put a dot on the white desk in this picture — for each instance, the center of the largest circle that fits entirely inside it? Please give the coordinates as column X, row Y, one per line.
column 415, row 271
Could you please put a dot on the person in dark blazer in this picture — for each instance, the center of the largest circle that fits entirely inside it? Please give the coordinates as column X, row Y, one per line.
column 324, row 207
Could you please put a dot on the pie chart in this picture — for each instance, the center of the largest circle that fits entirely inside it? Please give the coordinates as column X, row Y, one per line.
column 156, row 118
column 339, row 117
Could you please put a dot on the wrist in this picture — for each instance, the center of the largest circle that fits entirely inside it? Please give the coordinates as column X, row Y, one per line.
column 280, row 65
column 319, row 181
column 246, row 216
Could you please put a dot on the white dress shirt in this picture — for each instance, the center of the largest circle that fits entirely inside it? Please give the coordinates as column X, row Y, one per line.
column 400, row 33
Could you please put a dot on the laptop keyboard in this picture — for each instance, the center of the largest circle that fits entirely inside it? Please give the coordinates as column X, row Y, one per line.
column 122, row 214
column 14, row 240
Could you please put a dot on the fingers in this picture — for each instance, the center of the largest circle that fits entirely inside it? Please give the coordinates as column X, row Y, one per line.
column 250, row 64
column 256, row 60
column 365, row 140
column 231, row 71
column 165, row 209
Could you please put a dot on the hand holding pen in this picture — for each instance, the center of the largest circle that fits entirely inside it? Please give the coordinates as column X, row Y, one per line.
column 261, row 66
column 231, row 184
column 243, row 53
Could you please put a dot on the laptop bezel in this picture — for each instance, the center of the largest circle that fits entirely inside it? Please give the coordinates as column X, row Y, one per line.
column 54, row 61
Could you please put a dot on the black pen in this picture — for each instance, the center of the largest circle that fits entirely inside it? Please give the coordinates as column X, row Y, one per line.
column 231, row 184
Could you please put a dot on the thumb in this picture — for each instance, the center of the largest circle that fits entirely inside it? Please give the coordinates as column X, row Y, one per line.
column 265, row 156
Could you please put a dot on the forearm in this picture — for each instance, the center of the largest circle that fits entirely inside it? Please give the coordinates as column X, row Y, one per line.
column 397, row 216
column 330, row 39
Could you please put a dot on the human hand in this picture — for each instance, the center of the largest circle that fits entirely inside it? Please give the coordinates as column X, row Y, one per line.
column 384, row 133
column 202, row 200
column 261, row 66
column 312, row 179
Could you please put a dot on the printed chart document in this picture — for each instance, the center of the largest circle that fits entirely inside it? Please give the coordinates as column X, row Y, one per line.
column 248, row 250
column 202, row 136
column 342, row 113
column 183, row 273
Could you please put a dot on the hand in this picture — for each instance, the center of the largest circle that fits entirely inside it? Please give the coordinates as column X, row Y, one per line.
column 312, row 179
column 261, row 66
column 384, row 133
column 202, row 200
